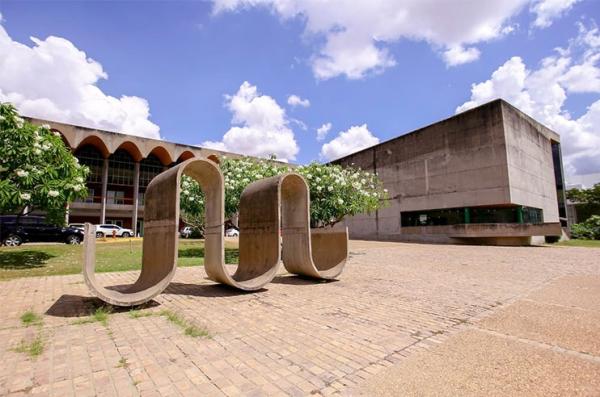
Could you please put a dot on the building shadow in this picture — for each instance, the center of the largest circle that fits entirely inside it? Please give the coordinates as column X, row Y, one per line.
column 206, row 290
column 82, row 306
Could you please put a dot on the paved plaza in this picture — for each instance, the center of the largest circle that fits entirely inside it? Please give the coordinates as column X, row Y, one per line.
column 403, row 319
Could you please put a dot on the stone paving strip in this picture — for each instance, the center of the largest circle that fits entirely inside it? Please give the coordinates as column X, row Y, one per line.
column 406, row 308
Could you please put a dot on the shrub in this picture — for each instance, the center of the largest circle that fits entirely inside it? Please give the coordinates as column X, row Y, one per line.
column 588, row 230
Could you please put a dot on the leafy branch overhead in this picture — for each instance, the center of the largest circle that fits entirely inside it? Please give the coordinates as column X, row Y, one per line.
column 37, row 170
column 334, row 191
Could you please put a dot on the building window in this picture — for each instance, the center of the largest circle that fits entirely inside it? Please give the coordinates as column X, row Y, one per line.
column 115, row 197
column 91, row 157
column 149, row 168
column 120, row 168
column 465, row 215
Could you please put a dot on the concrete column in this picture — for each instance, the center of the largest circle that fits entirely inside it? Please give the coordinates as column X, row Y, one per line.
column 136, row 193
column 104, row 190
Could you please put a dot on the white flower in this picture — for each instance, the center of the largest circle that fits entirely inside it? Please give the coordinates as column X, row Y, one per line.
column 36, row 145
column 56, row 133
column 37, row 151
column 78, row 187
column 191, row 198
column 362, row 181
column 22, row 173
column 259, row 176
column 2, row 118
column 319, row 188
column 340, row 201
column 309, row 176
column 45, row 126
column 318, row 179
column 25, row 196
column 330, row 188
column 76, row 160
column 385, row 190
column 53, row 193
column 185, row 192
column 79, row 179
column 45, row 146
column 19, row 121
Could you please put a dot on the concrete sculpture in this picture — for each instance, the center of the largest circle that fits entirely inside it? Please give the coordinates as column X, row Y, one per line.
column 267, row 206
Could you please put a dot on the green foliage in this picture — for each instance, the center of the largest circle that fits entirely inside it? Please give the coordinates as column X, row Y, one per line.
column 37, row 170
column 588, row 230
column 334, row 191
column 100, row 315
column 585, row 196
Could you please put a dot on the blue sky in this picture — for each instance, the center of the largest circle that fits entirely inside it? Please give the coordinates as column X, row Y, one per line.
column 189, row 62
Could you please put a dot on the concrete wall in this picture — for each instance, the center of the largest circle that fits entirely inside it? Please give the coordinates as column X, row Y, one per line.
column 463, row 161
column 530, row 165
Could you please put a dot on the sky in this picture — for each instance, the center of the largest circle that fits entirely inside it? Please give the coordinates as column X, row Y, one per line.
column 306, row 80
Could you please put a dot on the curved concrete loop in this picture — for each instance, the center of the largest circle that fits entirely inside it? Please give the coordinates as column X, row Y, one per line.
column 265, row 206
column 161, row 221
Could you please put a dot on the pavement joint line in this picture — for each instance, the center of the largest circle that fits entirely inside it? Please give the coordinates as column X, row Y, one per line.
column 561, row 306
column 542, row 345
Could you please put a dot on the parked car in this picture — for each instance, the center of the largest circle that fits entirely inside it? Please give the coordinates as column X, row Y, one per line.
column 232, row 232
column 79, row 226
column 17, row 230
column 107, row 230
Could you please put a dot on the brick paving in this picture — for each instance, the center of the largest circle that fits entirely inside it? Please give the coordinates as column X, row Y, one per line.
column 296, row 337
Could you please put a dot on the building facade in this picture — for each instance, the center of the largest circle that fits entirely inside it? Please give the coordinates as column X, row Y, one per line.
column 489, row 175
column 121, row 167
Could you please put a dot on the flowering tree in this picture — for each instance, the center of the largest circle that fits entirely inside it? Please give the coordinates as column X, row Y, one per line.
column 37, row 170
column 334, row 191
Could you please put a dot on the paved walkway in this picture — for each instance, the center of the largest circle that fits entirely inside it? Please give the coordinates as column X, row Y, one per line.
column 402, row 319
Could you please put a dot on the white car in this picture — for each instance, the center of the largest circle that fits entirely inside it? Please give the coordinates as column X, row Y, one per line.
column 107, row 231
column 232, row 232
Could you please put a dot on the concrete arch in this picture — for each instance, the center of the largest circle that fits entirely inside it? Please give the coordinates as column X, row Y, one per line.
column 162, row 154
column 130, row 148
column 95, row 141
column 185, row 155
column 69, row 144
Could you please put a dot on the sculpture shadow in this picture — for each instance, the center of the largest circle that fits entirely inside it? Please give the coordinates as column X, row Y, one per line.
column 23, row 260
column 300, row 280
column 207, row 291
column 82, row 306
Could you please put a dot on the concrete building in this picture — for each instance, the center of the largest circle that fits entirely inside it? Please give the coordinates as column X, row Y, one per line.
column 489, row 175
column 121, row 166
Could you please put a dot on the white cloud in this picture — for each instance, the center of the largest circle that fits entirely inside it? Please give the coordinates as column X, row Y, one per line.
column 352, row 35
column 322, row 131
column 457, row 55
column 295, row 100
column 548, row 10
column 354, row 139
column 261, row 126
column 542, row 93
column 55, row 80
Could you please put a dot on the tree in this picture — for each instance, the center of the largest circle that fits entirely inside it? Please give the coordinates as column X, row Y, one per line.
column 37, row 170
column 585, row 196
column 334, row 191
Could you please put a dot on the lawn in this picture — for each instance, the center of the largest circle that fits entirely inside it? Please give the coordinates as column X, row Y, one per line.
column 121, row 255
column 580, row 243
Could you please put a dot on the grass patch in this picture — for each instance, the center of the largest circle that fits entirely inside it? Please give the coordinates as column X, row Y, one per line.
column 580, row 243
column 134, row 313
column 33, row 348
column 188, row 328
column 122, row 363
column 100, row 316
column 114, row 256
column 31, row 318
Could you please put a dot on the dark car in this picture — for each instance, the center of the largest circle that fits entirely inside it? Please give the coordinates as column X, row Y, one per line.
column 17, row 230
